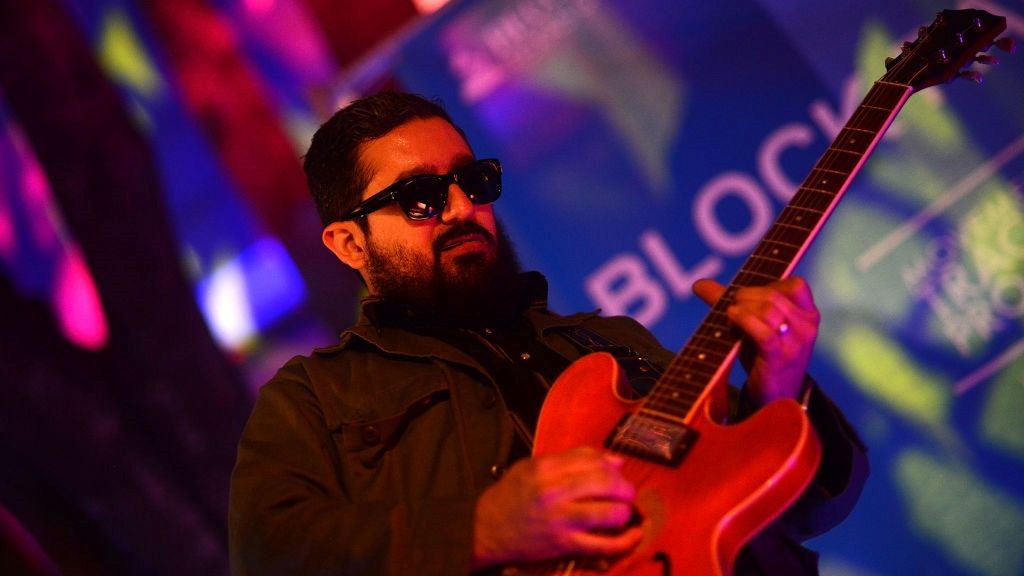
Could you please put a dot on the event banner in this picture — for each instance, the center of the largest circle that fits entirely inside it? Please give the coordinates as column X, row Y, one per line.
column 649, row 143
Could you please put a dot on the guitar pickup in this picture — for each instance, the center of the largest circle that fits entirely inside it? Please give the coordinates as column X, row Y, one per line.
column 651, row 438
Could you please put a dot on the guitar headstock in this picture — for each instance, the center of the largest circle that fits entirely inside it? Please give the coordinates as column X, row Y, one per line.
column 942, row 50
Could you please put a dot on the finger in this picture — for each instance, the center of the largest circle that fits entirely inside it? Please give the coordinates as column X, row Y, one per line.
column 557, row 486
column 762, row 330
column 591, row 544
column 799, row 292
column 776, row 304
column 601, row 483
column 598, row 515
column 708, row 290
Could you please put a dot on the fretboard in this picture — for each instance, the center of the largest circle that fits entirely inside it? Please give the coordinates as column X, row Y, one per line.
column 714, row 344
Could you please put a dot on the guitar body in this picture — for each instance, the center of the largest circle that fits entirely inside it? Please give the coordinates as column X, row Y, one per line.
column 731, row 483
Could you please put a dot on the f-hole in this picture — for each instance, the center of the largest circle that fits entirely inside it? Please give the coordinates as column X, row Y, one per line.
column 666, row 563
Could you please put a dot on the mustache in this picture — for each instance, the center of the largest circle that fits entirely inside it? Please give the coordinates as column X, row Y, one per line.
column 459, row 230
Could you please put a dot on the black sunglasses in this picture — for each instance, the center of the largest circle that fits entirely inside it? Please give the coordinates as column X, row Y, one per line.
column 423, row 197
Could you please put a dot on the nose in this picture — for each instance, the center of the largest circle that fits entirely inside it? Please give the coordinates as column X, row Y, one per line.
column 459, row 207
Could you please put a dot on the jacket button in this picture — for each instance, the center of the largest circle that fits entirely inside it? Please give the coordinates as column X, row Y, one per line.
column 489, row 399
column 371, row 435
column 497, row 471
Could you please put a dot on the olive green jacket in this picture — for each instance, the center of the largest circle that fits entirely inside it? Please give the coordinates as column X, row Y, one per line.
column 367, row 457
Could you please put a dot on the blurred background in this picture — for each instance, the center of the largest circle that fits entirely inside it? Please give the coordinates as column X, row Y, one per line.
column 160, row 257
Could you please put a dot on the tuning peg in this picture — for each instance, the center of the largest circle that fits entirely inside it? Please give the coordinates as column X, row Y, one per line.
column 1008, row 44
column 972, row 76
column 986, row 59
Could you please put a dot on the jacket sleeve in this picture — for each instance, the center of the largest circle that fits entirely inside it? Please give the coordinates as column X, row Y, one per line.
column 841, row 475
column 290, row 513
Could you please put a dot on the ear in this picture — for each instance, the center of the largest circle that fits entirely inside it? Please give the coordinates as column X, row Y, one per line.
column 347, row 241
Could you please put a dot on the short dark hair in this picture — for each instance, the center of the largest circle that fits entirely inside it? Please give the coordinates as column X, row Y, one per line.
column 333, row 172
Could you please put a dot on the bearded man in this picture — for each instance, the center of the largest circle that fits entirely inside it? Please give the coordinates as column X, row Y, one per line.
column 405, row 447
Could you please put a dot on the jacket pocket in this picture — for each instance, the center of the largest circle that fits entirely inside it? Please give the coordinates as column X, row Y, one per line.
column 366, row 442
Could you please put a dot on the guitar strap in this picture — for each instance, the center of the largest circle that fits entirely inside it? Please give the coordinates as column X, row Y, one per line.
column 641, row 373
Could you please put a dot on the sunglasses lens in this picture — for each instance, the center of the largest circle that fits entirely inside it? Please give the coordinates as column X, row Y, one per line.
column 423, row 197
column 481, row 181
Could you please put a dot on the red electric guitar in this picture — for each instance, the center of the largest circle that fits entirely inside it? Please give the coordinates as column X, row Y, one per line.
column 705, row 489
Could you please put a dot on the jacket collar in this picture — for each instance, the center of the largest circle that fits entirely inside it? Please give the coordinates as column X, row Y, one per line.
column 396, row 340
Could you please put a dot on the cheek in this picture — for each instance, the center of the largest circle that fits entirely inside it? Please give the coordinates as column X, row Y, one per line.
column 485, row 217
column 397, row 235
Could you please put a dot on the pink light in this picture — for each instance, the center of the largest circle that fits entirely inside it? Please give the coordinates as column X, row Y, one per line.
column 259, row 6
column 7, row 238
column 76, row 303
column 428, row 6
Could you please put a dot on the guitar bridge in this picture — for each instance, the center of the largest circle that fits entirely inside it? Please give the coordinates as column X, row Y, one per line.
column 651, row 438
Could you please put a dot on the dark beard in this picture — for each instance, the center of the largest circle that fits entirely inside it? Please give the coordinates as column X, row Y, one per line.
column 474, row 293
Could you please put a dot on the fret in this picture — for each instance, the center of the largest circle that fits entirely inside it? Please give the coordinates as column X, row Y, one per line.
column 684, row 375
column 672, row 405
column 799, row 215
column 771, row 258
column 823, row 169
column 841, row 161
column 817, row 199
column 705, row 357
column 772, row 248
column 885, row 83
column 830, row 181
column 697, row 361
column 662, row 415
column 792, row 226
column 855, row 140
column 789, row 235
column 678, row 395
column 796, row 214
column 869, row 118
column 681, row 392
column 767, row 269
column 708, row 351
column 717, row 336
column 776, row 252
column 748, row 280
column 718, row 341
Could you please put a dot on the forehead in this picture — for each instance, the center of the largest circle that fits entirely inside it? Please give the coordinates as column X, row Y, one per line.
column 420, row 146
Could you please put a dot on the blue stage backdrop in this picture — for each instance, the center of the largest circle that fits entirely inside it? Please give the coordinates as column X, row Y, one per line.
column 646, row 143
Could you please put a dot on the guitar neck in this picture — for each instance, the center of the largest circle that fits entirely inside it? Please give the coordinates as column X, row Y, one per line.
column 710, row 351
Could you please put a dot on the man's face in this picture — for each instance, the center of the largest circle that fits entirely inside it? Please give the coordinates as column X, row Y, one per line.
column 456, row 255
